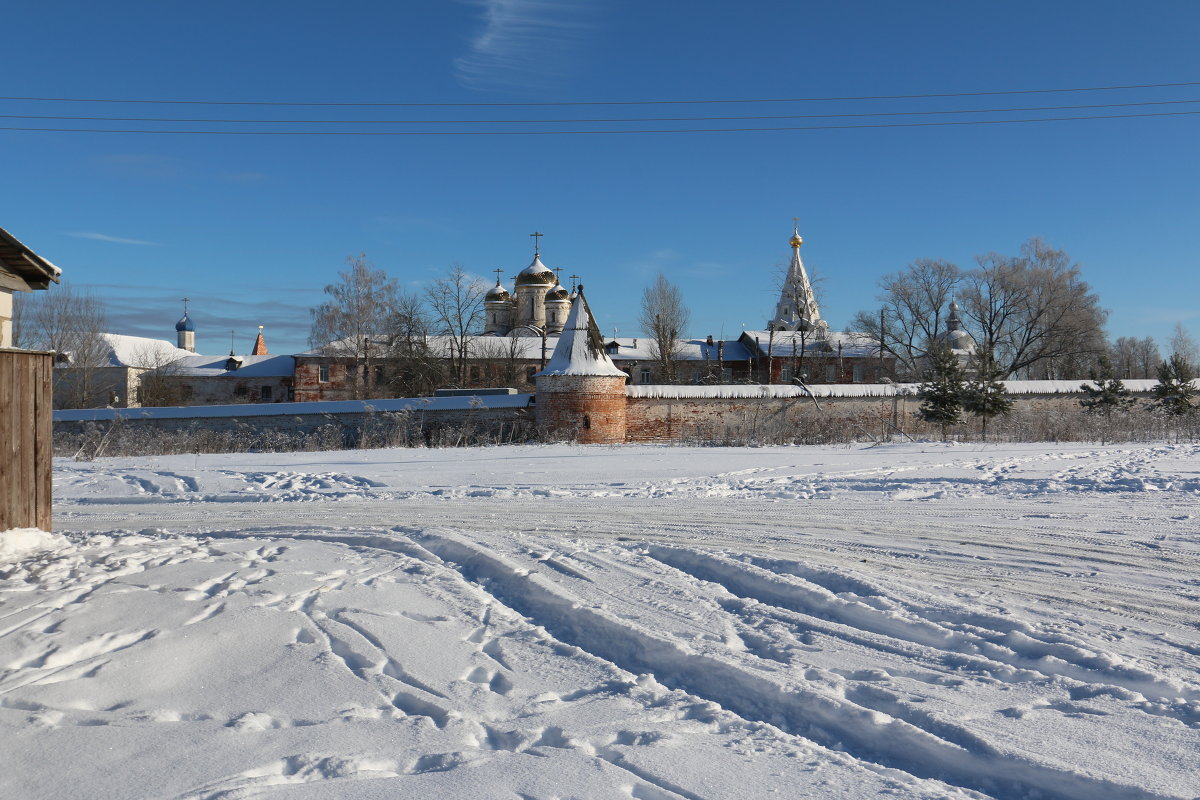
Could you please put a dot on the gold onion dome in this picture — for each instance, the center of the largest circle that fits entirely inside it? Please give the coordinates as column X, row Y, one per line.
column 537, row 274
column 559, row 292
column 497, row 292
column 797, row 239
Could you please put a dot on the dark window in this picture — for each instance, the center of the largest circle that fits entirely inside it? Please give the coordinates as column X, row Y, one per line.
column 265, row 394
column 529, row 373
column 323, row 373
column 378, row 374
column 587, row 422
column 240, row 391
column 475, row 375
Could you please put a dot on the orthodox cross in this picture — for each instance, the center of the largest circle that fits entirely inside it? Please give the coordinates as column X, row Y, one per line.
column 558, row 274
column 186, row 300
column 573, row 279
column 498, row 271
column 536, row 236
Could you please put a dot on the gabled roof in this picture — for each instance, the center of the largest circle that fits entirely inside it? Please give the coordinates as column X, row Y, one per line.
column 20, row 261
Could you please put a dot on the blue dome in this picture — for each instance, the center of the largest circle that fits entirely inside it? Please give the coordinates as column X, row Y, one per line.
column 185, row 324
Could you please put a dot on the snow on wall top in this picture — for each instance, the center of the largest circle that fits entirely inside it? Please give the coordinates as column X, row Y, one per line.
column 579, row 350
column 295, row 409
column 741, row 391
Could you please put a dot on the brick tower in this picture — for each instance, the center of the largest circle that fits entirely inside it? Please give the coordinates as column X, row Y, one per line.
column 581, row 393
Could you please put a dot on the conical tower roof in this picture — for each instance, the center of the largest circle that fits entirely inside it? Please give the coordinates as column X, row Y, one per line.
column 580, row 349
column 797, row 307
column 260, row 344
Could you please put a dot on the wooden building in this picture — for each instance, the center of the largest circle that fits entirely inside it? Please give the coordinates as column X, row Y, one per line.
column 25, row 398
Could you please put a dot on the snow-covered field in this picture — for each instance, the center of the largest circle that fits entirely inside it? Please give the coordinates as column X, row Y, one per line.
column 650, row 622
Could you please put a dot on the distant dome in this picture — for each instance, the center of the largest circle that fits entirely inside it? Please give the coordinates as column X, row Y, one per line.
column 496, row 293
column 536, row 274
column 558, row 293
column 185, row 324
column 955, row 336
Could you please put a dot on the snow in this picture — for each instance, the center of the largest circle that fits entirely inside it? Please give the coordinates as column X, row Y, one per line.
column 575, row 354
column 913, row 620
column 719, row 391
column 251, row 366
column 19, row 543
column 140, row 351
column 458, row 403
column 848, row 344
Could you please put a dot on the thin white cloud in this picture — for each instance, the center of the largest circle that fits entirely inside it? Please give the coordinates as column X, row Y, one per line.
column 525, row 44
column 104, row 237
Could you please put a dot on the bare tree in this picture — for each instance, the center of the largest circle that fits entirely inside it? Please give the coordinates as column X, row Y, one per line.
column 70, row 322
column 1134, row 358
column 914, row 303
column 348, row 325
column 412, row 369
column 159, row 382
column 664, row 319
column 1034, row 310
column 1184, row 346
column 502, row 357
column 456, row 303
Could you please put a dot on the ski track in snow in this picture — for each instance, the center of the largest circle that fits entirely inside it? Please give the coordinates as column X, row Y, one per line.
column 937, row 624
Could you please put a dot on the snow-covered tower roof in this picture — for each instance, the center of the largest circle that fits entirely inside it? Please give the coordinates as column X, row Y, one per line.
column 797, row 307
column 536, row 274
column 580, row 349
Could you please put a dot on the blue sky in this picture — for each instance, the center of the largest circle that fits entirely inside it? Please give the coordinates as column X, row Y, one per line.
column 251, row 227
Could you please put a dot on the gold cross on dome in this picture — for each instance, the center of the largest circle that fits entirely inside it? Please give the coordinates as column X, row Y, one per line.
column 536, row 236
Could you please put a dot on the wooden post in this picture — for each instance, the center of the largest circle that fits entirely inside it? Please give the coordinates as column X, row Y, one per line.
column 26, row 444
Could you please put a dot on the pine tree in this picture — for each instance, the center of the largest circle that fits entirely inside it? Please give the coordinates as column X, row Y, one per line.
column 1106, row 393
column 1175, row 392
column 984, row 395
column 941, row 393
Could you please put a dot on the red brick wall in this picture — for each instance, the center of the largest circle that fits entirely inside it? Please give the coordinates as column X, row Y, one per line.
column 589, row 409
column 660, row 419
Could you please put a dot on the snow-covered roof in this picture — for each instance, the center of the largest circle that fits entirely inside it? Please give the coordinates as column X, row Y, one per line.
column 140, row 351
column 482, row 347
column 251, row 366
column 16, row 258
column 580, row 351
column 642, row 349
column 853, row 345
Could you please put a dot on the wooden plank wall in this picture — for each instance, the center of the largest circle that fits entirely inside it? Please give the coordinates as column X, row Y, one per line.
column 25, row 439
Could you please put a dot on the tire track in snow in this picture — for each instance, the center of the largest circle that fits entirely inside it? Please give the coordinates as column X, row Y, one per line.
column 1017, row 647
column 861, row 732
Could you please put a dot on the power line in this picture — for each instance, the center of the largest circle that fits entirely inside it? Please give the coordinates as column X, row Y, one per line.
column 590, row 120
column 614, row 132
column 600, row 102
